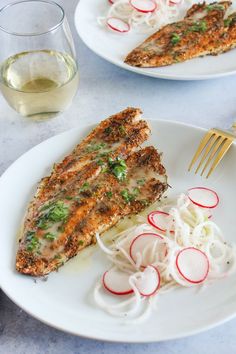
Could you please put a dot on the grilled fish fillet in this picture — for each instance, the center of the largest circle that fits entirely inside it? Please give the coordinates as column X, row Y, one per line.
column 199, row 34
column 95, row 208
column 81, row 198
column 116, row 136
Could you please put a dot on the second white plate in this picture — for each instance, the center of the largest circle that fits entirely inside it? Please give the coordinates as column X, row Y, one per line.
column 114, row 47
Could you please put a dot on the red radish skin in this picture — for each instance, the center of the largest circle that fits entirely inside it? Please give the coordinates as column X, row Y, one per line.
column 210, row 214
column 158, row 282
column 118, row 25
column 193, row 281
column 151, row 219
column 137, row 238
column 114, row 290
column 207, row 190
column 175, row 2
column 144, row 6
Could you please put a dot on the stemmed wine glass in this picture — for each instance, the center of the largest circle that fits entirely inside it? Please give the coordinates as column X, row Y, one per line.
column 38, row 72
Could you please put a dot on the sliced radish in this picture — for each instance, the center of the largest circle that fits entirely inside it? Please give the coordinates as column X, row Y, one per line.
column 209, row 213
column 203, row 197
column 144, row 5
column 172, row 2
column 192, row 264
column 117, row 282
column 118, row 25
column 143, row 240
column 112, row 1
column 149, row 282
column 159, row 220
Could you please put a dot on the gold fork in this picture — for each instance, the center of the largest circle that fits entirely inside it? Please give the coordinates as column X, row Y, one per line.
column 212, row 148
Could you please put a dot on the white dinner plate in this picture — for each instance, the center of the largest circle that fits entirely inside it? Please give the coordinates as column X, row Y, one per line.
column 65, row 300
column 114, row 48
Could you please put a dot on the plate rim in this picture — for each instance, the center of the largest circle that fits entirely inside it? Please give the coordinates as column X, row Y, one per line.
column 147, row 73
column 97, row 336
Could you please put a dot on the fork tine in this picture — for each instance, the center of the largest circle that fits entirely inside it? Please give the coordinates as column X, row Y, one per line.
column 220, row 155
column 201, row 146
column 213, row 152
column 207, row 150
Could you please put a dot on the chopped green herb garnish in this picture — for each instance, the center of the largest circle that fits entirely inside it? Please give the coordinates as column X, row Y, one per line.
column 175, row 38
column 122, row 130
column 100, row 163
column 84, row 187
column 33, row 243
column 57, row 256
column 135, row 191
column 215, row 7
column 200, row 26
column 43, row 223
column 126, row 196
column 68, row 197
column 141, row 181
column 30, row 235
column 129, row 197
column 55, row 212
column 227, row 22
column 104, row 169
column 46, row 206
column 109, row 194
column 95, row 147
column 58, row 212
column 80, row 243
column 118, row 168
column 50, row 236
column 108, row 130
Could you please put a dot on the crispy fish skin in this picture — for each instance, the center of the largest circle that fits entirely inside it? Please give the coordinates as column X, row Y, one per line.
column 197, row 35
column 107, row 205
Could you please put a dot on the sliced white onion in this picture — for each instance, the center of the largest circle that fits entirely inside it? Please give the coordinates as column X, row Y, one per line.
column 190, row 252
column 149, row 281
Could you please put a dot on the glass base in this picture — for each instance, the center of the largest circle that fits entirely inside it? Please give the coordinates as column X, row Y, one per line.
column 42, row 116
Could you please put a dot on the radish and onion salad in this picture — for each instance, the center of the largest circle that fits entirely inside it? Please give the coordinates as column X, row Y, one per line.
column 142, row 15
column 177, row 245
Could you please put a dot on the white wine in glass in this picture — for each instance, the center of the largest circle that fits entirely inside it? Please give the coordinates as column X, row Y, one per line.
column 40, row 77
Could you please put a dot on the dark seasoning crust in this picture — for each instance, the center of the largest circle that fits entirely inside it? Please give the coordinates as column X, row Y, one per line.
column 203, row 31
column 90, row 191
